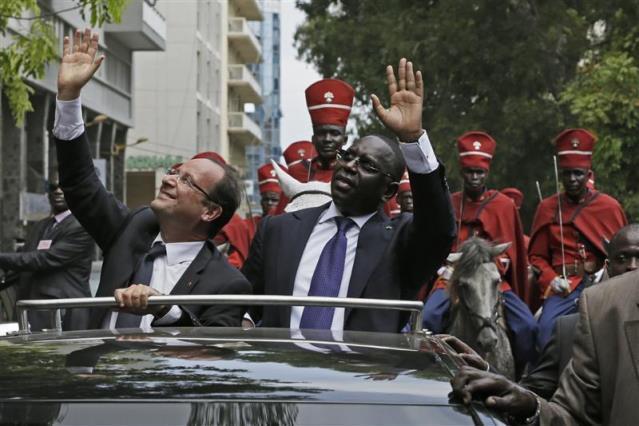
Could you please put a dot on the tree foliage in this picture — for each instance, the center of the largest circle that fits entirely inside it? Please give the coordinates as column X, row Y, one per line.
column 30, row 51
column 489, row 65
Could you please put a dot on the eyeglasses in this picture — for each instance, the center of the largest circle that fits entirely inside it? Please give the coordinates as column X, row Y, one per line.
column 189, row 182
column 368, row 166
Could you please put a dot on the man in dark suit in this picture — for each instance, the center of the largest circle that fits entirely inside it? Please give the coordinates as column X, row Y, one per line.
column 55, row 264
column 599, row 382
column 349, row 247
column 161, row 249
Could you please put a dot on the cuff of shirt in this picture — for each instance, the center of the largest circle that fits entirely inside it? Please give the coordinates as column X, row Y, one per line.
column 174, row 314
column 419, row 156
column 68, row 123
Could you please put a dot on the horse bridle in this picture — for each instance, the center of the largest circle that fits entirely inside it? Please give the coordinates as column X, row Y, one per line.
column 495, row 315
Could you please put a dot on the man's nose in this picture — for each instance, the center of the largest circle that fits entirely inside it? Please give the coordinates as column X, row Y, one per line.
column 632, row 265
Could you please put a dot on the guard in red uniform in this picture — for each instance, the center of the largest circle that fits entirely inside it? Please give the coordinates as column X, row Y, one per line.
column 298, row 157
column 487, row 213
column 518, row 198
column 329, row 103
column 270, row 193
column 589, row 217
column 405, row 195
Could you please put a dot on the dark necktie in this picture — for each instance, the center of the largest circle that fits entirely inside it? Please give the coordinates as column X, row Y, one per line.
column 142, row 276
column 327, row 277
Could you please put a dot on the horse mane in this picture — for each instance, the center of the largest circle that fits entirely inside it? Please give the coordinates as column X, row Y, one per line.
column 475, row 252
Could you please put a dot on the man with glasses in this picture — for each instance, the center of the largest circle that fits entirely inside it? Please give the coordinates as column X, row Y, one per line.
column 55, row 263
column 161, row 249
column 349, row 247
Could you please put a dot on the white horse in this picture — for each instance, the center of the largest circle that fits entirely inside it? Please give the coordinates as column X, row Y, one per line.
column 302, row 195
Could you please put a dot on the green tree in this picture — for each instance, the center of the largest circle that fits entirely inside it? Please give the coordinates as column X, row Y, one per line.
column 29, row 52
column 501, row 67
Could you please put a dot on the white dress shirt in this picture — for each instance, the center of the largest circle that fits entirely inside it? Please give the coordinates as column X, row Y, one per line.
column 420, row 158
column 167, row 271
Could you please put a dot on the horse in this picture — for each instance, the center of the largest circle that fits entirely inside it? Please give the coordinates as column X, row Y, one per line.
column 302, row 195
column 477, row 312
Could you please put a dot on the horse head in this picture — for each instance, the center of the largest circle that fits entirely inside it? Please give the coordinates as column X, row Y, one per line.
column 302, row 195
column 474, row 290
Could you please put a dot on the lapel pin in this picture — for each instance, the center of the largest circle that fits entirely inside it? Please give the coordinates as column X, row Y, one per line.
column 189, row 284
column 389, row 227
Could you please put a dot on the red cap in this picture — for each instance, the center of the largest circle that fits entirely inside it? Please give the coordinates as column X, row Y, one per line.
column 516, row 195
column 574, row 148
column 329, row 101
column 298, row 151
column 404, row 183
column 211, row 155
column 476, row 149
column 267, row 179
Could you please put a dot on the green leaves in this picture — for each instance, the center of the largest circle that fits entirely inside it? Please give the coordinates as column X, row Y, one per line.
column 30, row 51
column 500, row 67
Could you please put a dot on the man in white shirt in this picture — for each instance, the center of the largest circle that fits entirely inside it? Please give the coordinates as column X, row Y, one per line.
column 161, row 249
column 349, row 247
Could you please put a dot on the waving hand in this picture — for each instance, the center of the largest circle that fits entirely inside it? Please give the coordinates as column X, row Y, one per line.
column 78, row 64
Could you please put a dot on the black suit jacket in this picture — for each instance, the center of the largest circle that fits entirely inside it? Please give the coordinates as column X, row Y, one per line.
column 544, row 378
column 62, row 271
column 125, row 236
column 394, row 257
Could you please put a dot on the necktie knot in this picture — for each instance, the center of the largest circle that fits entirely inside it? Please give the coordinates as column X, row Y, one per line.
column 158, row 249
column 343, row 224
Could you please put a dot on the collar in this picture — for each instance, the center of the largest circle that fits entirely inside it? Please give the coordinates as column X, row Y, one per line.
column 61, row 216
column 332, row 212
column 317, row 164
column 180, row 252
column 583, row 199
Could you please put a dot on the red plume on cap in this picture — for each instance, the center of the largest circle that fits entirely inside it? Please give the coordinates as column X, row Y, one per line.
column 329, row 101
column 404, row 183
column 267, row 179
column 476, row 149
column 211, row 155
column 574, row 148
column 516, row 195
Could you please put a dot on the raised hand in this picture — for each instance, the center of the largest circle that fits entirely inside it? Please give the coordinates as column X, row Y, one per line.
column 78, row 64
column 404, row 117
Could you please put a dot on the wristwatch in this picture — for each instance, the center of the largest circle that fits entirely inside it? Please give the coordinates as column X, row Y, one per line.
column 534, row 419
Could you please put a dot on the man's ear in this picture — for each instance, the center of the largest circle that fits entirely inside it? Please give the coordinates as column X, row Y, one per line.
column 391, row 190
column 211, row 213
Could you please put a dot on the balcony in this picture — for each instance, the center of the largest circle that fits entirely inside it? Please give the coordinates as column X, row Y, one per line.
column 243, row 130
column 243, row 41
column 250, row 9
column 142, row 27
column 241, row 80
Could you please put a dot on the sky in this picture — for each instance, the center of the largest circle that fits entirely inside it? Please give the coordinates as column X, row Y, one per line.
column 296, row 76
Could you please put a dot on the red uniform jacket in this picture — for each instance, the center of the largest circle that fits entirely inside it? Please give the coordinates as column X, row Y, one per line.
column 238, row 235
column 586, row 224
column 494, row 217
column 306, row 172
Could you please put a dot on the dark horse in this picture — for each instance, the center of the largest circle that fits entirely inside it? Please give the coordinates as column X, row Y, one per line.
column 476, row 315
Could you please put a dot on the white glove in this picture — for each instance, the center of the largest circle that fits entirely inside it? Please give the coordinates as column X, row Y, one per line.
column 560, row 285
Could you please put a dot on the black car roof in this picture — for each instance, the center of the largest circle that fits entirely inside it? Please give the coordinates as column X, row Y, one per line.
column 225, row 364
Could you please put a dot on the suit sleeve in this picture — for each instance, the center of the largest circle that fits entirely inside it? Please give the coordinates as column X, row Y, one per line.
column 97, row 210
column 578, row 398
column 545, row 376
column 429, row 237
column 253, row 268
column 74, row 245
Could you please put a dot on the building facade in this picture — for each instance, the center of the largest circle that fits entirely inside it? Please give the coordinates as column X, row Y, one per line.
column 28, row 157
column 268, row 113
column 191, row 98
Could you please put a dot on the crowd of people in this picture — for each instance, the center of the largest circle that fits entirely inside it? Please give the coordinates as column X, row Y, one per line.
column 386, row 233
